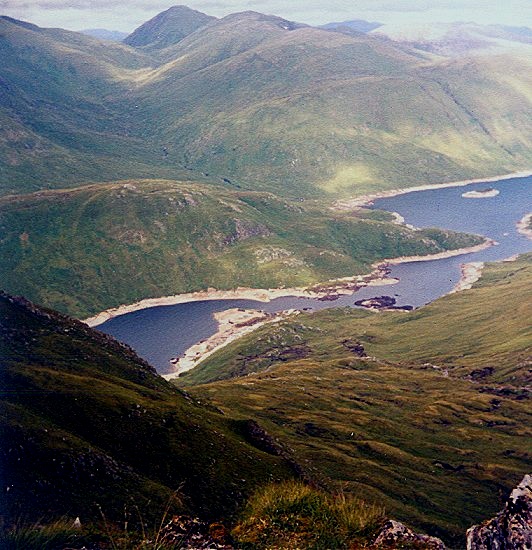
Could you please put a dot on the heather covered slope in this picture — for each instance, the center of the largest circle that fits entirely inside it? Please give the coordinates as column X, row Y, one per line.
column 75, row 250
column 86, row 423
column 434, row 424
column 257, row 100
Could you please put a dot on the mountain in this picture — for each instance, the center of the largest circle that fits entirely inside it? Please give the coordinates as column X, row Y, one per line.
column 86, row 426
column 359, row 25
column 426, row 413
column 104, row 34
column 167, row 28
column 74, row 249
column 263, row 102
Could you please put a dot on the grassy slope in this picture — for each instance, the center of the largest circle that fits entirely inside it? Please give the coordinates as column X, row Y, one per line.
column 85, row 422
column 73, row 250
column 302, row 112
column 335, row 113
column 438, row 450
column 58, row 124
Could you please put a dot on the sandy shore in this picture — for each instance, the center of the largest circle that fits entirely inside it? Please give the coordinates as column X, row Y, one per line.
column 363, row 200
column 470, row 274
column 232, row 324
column 523, row 226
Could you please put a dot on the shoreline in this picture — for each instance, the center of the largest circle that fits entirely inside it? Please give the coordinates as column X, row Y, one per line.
column 231, row 327
column 344, row 285
column 523, row 226
column 470, row 273
column 364, row 200
column 439, row 255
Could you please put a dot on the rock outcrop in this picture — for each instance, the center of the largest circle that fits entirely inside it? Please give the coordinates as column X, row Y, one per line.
column 396, row 535
column 510, row 529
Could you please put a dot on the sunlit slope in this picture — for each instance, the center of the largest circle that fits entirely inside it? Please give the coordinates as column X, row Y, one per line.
column 435, row 424
column 76, row 250
column 88, row 428
column 257, row 101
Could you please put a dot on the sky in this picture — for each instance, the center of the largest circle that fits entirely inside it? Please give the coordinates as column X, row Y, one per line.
column 126, row 15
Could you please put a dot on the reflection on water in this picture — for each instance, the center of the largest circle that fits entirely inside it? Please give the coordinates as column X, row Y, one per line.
column 161, row 333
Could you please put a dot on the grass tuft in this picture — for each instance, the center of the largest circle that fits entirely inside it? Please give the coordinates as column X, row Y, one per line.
column 295, row 515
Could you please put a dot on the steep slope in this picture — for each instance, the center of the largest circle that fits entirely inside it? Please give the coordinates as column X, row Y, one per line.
column 73, row 250
column 167, row 28
column 86, row 424
column 434, row 423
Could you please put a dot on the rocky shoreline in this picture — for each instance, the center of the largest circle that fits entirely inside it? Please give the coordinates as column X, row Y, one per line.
column 524, row 226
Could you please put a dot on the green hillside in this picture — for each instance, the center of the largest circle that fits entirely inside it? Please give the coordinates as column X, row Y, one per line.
column 75, row 250
column 86, row 424
column 434, row 424
column 257, row 101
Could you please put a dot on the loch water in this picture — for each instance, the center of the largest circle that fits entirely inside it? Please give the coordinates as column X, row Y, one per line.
column 161, row 333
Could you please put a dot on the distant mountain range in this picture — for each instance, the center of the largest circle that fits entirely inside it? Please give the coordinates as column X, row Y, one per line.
column 256, row 100
column 359, row 25
column 104, row 34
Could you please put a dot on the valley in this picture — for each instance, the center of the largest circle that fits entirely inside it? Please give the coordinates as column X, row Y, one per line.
column 299, row 328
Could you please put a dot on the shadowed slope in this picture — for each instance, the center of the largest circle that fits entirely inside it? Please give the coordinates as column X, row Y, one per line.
column 86, row 423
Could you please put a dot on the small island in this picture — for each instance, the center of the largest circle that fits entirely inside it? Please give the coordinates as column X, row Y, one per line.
column 482, row 194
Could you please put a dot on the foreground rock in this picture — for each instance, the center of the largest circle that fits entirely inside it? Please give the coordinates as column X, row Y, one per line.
column 192, row 534
column 510, row 529
column 396, row 535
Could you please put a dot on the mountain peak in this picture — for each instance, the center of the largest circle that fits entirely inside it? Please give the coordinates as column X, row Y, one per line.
column 167, row 28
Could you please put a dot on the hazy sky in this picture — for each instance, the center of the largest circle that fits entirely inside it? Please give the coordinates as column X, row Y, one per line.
column 127, row 15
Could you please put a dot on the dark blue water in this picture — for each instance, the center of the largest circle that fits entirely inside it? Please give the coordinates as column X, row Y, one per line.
column 158, row 334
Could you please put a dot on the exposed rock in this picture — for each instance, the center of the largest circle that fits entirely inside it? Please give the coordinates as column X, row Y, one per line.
column 191, row 533
column 510, row 529
column 329, row 298
column 396, row 535
column 379, row 302
column 245, row 229
column 355, row 347
column 478, row 374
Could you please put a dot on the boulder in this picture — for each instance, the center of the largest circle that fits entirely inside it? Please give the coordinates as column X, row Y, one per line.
column 396, row 535
column 510, row 529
